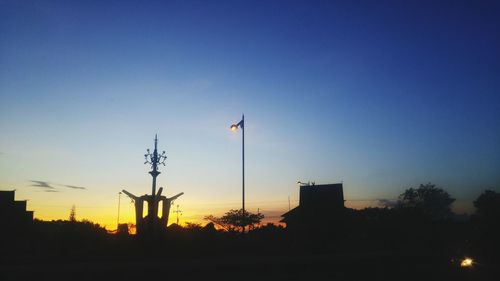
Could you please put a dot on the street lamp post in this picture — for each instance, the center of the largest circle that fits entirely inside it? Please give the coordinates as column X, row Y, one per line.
column 234, row 127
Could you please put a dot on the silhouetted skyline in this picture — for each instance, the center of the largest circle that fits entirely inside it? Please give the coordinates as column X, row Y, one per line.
column 382, row 96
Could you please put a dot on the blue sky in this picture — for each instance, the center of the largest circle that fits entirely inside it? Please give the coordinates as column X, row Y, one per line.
column 382, row 95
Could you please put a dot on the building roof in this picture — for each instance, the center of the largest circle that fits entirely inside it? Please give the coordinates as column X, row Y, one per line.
column 317, row 201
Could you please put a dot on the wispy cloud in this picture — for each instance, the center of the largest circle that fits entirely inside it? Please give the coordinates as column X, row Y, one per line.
column 43, row 184
column 50, row 187
column 74, row 186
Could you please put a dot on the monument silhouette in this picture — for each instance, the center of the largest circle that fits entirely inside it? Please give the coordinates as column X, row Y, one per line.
column 151, row 223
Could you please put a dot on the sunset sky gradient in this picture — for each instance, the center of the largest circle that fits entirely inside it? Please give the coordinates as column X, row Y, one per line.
column 382, row 95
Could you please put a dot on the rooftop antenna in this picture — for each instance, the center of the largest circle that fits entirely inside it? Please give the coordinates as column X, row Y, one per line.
column 309, row 183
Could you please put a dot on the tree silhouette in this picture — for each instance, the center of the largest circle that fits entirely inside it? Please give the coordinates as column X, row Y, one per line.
column 236, row 220
column 488, row 205
column 428, row 199
column 72, row 214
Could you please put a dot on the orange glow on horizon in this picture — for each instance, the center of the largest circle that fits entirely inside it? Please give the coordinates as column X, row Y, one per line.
column 109, row 220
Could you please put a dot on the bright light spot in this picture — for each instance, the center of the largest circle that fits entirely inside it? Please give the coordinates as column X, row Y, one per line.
column 234, row 127
column 466, row 262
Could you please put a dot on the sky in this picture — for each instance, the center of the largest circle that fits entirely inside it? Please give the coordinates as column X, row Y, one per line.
column 379, row 95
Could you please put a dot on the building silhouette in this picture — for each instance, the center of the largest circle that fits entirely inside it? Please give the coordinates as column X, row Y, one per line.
column 13, row 214
column 321, row 204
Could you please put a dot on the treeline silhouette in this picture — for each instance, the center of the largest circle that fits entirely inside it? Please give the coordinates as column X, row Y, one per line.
column 420, row 231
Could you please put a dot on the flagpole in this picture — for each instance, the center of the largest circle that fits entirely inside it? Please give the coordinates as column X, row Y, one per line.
column 243, row 159
column 234, row 127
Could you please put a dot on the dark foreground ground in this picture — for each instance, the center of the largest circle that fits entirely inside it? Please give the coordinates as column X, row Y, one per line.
column 380, row 245
column 376, row 266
